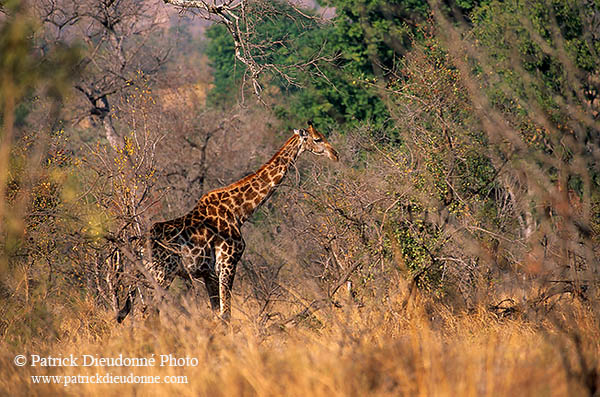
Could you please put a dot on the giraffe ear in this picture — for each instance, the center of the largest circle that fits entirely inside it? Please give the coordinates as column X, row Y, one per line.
column 301, row 132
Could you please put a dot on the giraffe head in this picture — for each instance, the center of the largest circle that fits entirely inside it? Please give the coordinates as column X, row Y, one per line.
column 315, row 142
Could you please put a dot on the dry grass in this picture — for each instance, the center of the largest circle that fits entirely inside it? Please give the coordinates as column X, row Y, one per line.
column 382, row 348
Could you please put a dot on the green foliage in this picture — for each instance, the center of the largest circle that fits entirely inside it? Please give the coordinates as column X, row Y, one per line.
column 543, row 57
column 227, row 72
column 29, row 192
column 530, row 28
column 341, row 91
column 418, row 242
column 370, row 38
column 366, row 38
column 17, row 66
column 21, row 69
column 280, row 36
column 370, row 34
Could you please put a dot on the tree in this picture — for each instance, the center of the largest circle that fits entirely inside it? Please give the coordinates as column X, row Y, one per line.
column 253, row 47
column 286, row 43
column 119, row 42
column 527, row 71
column 25, row 74
column 31, row 83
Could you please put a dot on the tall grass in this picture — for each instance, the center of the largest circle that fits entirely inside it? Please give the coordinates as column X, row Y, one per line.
column 377, row 349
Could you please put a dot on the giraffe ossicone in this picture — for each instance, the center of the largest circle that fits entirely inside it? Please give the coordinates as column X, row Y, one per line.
column 206, row 243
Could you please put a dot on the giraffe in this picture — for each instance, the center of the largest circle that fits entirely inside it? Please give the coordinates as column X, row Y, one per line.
column 206, row 243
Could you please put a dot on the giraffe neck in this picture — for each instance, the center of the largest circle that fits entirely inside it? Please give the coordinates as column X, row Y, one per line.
column 250, row 192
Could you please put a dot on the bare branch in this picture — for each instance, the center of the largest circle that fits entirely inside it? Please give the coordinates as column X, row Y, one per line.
column 240, row 18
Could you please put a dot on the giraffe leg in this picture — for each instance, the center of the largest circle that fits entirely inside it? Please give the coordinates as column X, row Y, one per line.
column 227, row 254
column 226, row 276
column 212, row 288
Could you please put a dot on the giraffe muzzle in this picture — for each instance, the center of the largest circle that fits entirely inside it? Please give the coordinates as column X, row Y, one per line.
column 332, row 154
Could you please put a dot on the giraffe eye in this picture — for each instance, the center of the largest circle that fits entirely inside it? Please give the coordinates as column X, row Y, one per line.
column 317, row 140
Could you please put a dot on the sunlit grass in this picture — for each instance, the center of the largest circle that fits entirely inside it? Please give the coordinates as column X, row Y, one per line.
column 378, row 349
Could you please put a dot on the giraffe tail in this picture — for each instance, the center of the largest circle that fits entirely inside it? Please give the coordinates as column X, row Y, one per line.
column 125, row 310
